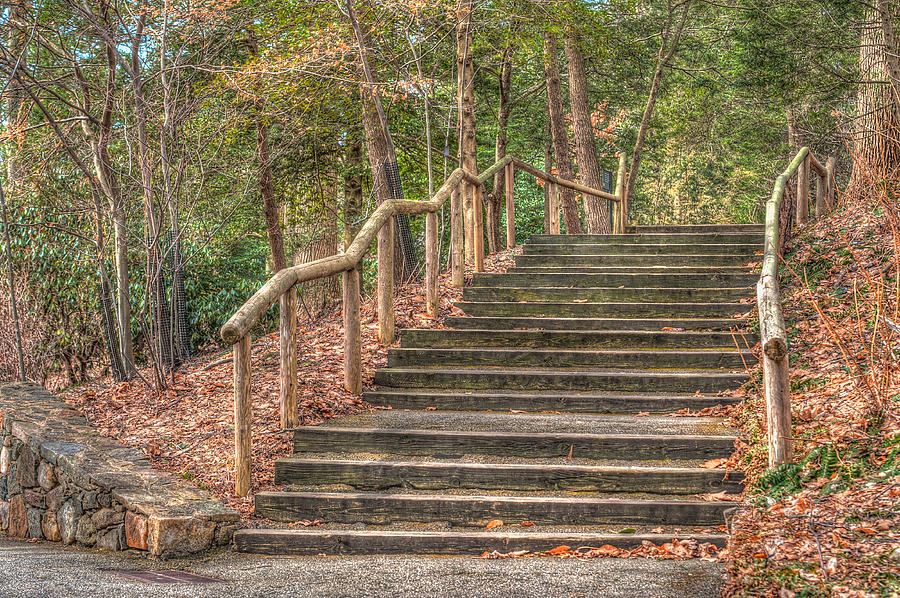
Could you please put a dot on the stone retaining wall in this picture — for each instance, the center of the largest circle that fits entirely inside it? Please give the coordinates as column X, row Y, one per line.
column 62, row 481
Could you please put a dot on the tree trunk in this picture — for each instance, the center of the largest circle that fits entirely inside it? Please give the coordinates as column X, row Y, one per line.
column 559, row 134
column 353, row 190
column 596, row 215
column 465, row 69
column 875, row 146
column 667, row 49
column 548, row 167
column 497, row 195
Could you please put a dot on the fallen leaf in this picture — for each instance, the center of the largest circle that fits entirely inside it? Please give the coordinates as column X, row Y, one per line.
column 493, row 523
column 559, row 550
column 714, row 463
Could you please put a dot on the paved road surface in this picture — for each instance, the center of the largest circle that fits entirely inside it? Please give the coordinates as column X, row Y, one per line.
column 45, row 570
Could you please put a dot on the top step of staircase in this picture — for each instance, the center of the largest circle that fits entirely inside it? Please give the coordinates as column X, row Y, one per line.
column 699, row 228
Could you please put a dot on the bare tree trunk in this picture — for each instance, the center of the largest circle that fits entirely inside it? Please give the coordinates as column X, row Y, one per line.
column 558, row 131
column 353, row 190
column 465, row 69
column 876, row 146
column 548, row 166
column 596, row 215
column 495, row 198
column 670, row 39
column 11, row 278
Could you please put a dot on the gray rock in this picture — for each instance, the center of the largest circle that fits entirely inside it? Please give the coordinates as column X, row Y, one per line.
column 111, row 539
column 67, row 518
column 12, row 482
column 34, row 516
column 4, row 493
column 46, row 477
column 107, row 517
column 55, row 498
column 50, row 527
column 27, row 468
column 224, row 533
column 4, row 514
column 4, row 460
column 35, row 498
column 86, row 533
column 104, row 499
column 89, row 501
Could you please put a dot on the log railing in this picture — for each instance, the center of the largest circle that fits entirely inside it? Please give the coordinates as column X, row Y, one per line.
column 465, row 191
column 773, row 337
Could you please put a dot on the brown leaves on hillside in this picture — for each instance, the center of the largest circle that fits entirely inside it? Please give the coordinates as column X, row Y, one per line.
column 188, row 429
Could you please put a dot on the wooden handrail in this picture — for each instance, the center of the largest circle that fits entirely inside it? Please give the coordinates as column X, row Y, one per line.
column 772, row 331
column 464, row 190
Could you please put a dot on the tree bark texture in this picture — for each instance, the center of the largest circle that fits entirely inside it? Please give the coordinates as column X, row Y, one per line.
column 495, row 198
column 596, row 216
column 559, row 134
column 465, row 69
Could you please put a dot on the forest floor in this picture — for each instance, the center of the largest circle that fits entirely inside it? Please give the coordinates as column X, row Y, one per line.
column 188, row 428
column 829, row 525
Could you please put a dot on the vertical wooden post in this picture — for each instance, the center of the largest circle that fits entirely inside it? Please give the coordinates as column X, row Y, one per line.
column 776, row 372
column 352, row 338
column 431, row 264
column 478, row 232
column 829, row 183
column 803, row 191
column 468, row 200
column 554, row 209
column 243, row 414
column 457, row 254
column 287, row 343
column 510, row 206
column 820, row 195
column 386, row 283
column 621, row 209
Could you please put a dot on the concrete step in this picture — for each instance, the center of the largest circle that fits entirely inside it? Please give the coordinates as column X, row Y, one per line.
column 476, row 511
column 699, row 228
column 608, row 259
column 604, row 295
column 657, row 249
column 675, row 381
column 677, row 238
column 639, row 270
column 616, row 280
column 688, row 359
column 543, row 322
column 531, row 445
column 603, row 310
column 429, row 338
column 302, row 542
column 541, row 401
column 441, row 475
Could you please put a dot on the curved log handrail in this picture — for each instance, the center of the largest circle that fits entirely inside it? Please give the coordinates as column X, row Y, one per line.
column 772, row 330
column 280, row 288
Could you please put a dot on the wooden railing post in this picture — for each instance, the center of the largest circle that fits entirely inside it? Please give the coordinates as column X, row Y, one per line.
column 776, row 373
column 554, row 209
column 621, row 208
column 510, row 206
column 385, row 290
column 287, row 343
column 352, row 338
column 243, row 414
column 803, row 191
column 457, row 239
column 468, row 201
column 820, row 195
column 432, row 259
column 478, row 233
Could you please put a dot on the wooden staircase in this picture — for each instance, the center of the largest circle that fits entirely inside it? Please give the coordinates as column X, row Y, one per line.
column 543, row 405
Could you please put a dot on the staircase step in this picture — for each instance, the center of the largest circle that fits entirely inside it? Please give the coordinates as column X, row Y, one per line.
column 699, row 228
column 686, row 247
column 603, row 309
column 604, row 295
column 645, row 269
column 564, row 339
column 633, row 260
column 296, row 542
column 568, row 358
column 478, row 511
column 509, row 323
column 553, row 379
column 677, row 238
column 424, row 475
column 627, row 280
column 570, row 402
column 538, row 445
